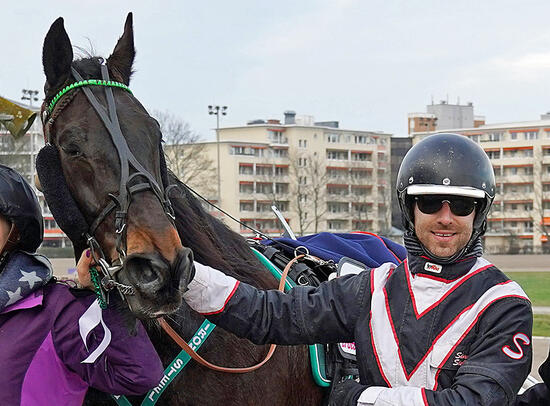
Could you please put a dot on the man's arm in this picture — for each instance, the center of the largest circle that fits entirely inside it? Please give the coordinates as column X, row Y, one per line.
column 304, row 315
column 539, row 394
column 495, row 370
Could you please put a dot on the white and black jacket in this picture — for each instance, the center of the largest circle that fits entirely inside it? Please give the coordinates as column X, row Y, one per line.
column 425, row 334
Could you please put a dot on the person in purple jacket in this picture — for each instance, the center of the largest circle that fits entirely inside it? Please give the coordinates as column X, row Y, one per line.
column 55, row 341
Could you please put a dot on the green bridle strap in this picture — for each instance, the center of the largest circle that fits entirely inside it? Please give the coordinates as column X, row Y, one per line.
column 88, row 82
column 175, row 367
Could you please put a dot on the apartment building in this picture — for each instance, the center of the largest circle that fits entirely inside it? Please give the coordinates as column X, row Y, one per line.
column 519, row 221
column 20, row 155
column 320, row 176
column 444, row 115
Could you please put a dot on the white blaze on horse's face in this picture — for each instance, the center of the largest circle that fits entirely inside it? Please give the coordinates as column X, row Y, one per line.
column 116, row 159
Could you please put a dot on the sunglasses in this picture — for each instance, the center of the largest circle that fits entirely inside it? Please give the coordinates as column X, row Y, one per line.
column 459, row 205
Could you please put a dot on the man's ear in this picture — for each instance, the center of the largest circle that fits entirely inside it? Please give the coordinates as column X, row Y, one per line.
column 121, row 60
column 57, row 55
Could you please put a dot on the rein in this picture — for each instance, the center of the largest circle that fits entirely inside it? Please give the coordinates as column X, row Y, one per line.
column 181, row 342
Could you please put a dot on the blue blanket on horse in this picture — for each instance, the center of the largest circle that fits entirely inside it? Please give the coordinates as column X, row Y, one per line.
column 369, row 249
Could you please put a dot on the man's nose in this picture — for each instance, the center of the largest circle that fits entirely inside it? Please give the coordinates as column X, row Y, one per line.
column 444, row 215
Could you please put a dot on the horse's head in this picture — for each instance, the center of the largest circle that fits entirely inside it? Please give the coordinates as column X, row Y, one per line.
column 109, row 150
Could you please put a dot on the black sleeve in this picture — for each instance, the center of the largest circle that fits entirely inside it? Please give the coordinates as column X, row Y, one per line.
column 304, row 315
column 538, row 395
column 489, row 376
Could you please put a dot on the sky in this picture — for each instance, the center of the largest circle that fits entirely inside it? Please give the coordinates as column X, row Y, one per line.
column 363, row 63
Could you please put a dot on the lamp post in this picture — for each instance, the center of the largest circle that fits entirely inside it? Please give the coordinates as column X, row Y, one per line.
column 217, row 110
column 30, row 95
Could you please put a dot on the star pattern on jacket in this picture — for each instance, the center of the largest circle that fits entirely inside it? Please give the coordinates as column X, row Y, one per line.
column 30, row 277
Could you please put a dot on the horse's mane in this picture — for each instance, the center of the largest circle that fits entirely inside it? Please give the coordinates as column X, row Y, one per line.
column 212, row 242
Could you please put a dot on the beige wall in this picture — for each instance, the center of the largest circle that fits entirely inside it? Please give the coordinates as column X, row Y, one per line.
column 255, row 147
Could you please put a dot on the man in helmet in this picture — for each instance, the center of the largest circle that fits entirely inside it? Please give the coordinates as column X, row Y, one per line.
column 445, row 327
column 55, row 341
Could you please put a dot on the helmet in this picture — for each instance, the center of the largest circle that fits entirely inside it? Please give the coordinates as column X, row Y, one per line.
column 19, row 204
column 447, row 164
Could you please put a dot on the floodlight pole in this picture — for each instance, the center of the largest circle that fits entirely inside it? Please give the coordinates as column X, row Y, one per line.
column 217, row 110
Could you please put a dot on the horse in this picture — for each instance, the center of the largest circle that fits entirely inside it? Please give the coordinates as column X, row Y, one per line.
column 145, row 226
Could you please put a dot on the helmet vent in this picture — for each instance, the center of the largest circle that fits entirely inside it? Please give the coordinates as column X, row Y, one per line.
column 411, row 180
column 446, row 181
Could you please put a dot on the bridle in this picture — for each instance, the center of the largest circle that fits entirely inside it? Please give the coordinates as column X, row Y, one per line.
column 119, row 203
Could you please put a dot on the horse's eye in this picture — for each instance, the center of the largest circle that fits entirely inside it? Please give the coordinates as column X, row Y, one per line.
column 72, row 150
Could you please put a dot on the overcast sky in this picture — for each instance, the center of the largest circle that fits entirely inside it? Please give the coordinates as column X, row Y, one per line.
column 364, row 63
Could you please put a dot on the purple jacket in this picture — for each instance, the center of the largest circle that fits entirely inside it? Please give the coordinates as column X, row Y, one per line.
column 54, row 345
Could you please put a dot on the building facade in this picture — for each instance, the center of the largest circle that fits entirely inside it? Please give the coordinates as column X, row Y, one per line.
column 321, row 177
column 519, row 221
column 20, row 154
column 443, row 116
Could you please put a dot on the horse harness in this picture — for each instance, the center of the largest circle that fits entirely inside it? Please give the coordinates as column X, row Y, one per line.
column 119, row 203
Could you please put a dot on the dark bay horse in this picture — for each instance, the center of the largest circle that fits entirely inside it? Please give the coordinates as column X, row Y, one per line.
column 151, row 248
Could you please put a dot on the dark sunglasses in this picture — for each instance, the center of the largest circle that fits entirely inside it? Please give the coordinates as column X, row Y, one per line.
column 459, row 205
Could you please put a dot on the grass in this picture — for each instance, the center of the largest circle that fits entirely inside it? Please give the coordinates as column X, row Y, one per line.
column 537, row 287
column 541, row 325
column 535, row 284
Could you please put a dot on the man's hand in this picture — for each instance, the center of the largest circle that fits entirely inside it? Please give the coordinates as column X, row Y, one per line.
column 346, row 393
column 83, row 270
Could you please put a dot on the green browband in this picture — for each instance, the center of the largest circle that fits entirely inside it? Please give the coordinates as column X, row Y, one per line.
column 88, row 82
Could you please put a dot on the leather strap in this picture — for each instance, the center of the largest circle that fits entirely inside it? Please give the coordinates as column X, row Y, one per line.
column 181, row 342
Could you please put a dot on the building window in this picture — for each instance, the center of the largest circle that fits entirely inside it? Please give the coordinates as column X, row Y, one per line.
column 361, row 156
column 263, row 207
column 361, row 139
column 531, row 135
column 302, row 143
column 493, row 154
column 246, row 188
column 243, row 150
column 360, row 174
column 264, row 187
column 513, row 136
column 246, row 169
column 495, row 136
column 337, row 155
column 335, row 225
column 277, row 137
column 337, row 207
column 246, row 205
column 302, row 162
column 281, row 170
column 281, row 188
column 332, row 137
column 528, row 170
column 339, row 190
column 264, row 170
column 279, row 153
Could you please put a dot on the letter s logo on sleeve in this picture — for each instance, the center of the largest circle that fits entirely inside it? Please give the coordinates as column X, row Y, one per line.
column 519, row 353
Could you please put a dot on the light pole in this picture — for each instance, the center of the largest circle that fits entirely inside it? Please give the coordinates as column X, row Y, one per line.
column 217, row 110
column 30, row 95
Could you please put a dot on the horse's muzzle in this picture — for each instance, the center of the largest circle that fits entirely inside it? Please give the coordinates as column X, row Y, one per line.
column 152, row 274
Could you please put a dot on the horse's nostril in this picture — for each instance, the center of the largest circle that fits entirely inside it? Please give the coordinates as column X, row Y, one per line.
column 146, row 273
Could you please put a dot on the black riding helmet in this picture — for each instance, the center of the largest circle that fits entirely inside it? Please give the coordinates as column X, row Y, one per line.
column 447, row 164
column 19, row 204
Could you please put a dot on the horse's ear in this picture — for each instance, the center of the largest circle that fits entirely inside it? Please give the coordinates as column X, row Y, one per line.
column 121, row 60
column 57, row 55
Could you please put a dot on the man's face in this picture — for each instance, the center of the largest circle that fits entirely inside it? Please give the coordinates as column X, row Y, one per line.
column 443, row 233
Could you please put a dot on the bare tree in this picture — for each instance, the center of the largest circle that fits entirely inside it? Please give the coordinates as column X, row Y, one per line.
column 308, row 183
column 185, row 155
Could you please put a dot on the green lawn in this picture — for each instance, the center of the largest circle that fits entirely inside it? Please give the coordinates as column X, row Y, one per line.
column 535, row 284
column 537, row 287
column 541, row 325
